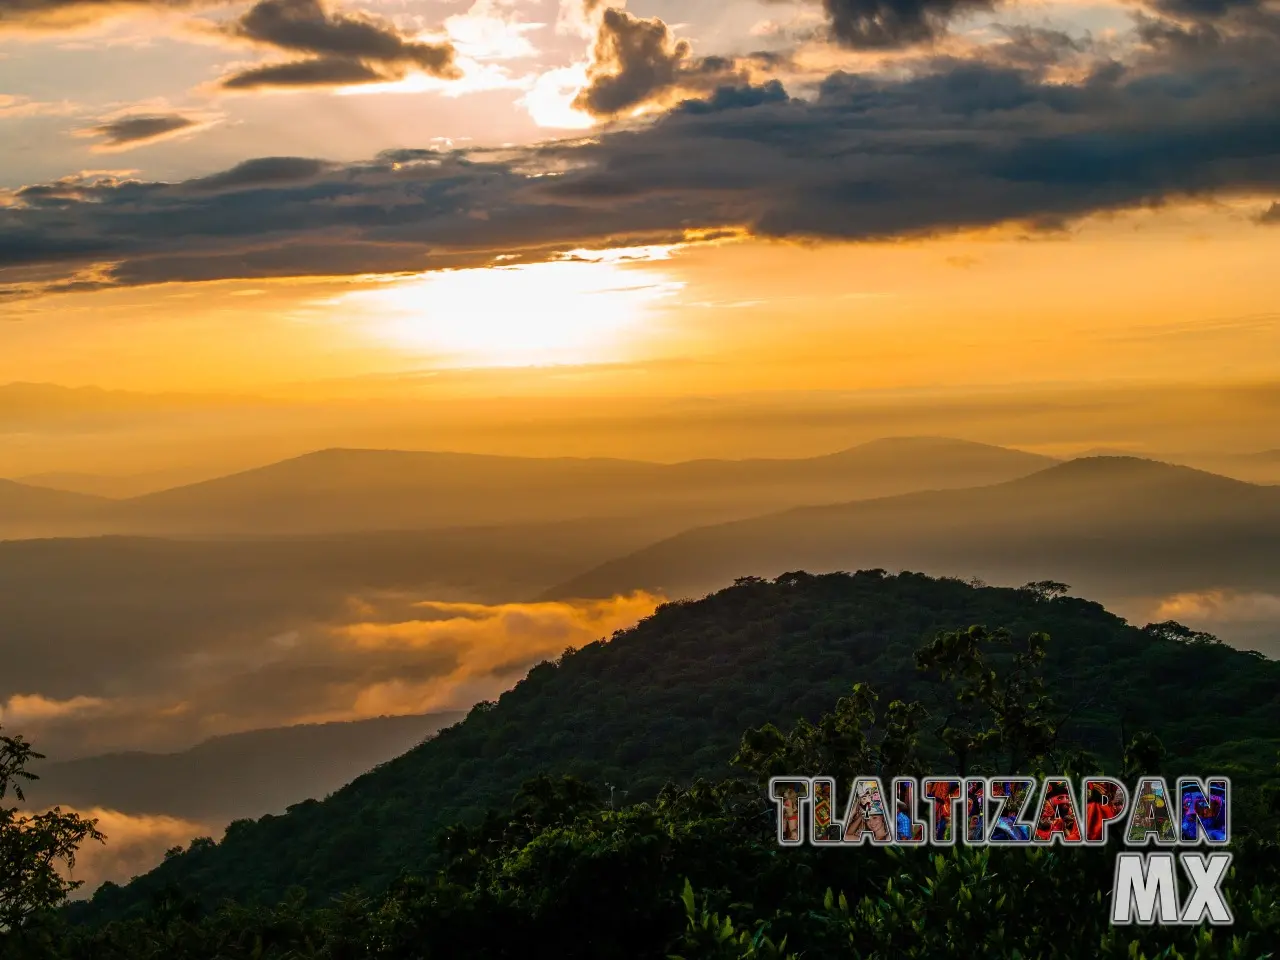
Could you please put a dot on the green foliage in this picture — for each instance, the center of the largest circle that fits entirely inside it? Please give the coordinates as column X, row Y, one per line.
column 32, row 845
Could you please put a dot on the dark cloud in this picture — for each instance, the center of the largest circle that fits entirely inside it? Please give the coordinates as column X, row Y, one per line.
column 132, row 131
column 347, row 48
column 736, row 98
column 322, row 72
column 1036, row 47
column 261, row 172
column 958, row 144
column 633, row 59
column 1203, row 9
column 1272, row 215
column 637, row 61
column 894, row 23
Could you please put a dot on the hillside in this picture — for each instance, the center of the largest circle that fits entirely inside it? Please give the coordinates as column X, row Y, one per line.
column 670, row 698
column 113, row 486
column 27, row 509
column 239, row 775
column 351, row 490
column 1110, row 526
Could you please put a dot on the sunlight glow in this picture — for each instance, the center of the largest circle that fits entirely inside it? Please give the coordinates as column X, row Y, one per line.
column 550, row 99
column 579, row 310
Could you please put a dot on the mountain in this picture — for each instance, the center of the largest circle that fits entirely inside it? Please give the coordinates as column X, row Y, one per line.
column 352, row 490
column 112, row 487
column 1262, row 466
column 1111, row 526
column 669, row 699
column 27, row 509
column 240, row 775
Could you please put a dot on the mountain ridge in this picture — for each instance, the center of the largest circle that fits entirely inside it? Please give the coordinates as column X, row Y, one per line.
column 1090, row 517
column 342, row 490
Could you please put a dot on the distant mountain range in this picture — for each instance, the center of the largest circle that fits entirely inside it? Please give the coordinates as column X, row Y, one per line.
column 241, row 775
column 361, row 490
column 1111, row 526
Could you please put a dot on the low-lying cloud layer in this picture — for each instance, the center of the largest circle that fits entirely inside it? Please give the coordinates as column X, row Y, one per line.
column 390, row 655
column 134, row 844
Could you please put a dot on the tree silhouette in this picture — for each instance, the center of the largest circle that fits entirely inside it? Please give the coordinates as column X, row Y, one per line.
column 32, row 845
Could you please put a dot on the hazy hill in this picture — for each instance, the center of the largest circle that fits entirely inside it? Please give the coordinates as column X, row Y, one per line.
column 669, row 699
column 349, row 490
column 1262, row 466
column 1111, row 526
column 112, row 486
column 241, row 775
column 26, row 510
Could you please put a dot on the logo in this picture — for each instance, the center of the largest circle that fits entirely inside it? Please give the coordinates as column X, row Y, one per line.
column 1021, row 811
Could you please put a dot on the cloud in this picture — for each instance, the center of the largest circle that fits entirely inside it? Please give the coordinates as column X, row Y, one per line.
column 264, row 171
column 1271, row 215
column 53, row 15
column 33, row 708
column 134, row 844
column 1204, row 9
column 637, row 62
column 945, row 144
column 1220, row 607
column 13, row 107
column 633, row 60
column 321, row 72
column 385, row 654
column 136, row 130
column 344, row 48
column 880, row 24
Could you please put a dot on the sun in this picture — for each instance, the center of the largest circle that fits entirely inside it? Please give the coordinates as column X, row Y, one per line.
column 585, row 308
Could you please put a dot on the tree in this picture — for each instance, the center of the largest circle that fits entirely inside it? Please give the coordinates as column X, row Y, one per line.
column 1173, row 630
column 998, row 721
column 32, row 846
column 1046, row 590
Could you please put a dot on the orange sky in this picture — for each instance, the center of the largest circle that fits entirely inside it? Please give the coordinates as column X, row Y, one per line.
column 1181, row 294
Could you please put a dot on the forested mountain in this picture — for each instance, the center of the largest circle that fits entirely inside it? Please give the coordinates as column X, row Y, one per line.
column 669, row 699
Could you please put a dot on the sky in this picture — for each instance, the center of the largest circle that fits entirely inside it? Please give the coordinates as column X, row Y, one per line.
column 730, row 195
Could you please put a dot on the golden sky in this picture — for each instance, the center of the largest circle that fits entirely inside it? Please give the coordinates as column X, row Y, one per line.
column 280, row 196
column 1182, row 294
